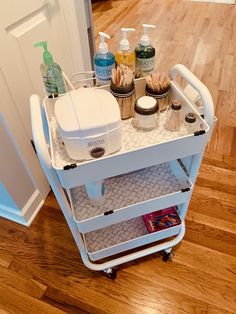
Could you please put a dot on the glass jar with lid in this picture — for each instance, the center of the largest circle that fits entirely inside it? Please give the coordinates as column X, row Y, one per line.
column 174, row 116
column 145, row 113
column 190, row 122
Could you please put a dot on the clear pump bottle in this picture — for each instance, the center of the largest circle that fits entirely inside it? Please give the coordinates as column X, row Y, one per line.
column 104, row 62
column 51, row 72
column 125, row 55
column 145, row 54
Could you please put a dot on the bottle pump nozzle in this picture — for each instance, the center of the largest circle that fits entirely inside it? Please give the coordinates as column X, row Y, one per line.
column 102, row 48
column 47, row 57
column 145, row 40
column 124, row 43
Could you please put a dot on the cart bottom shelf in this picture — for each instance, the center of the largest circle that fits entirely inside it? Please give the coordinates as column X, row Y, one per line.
column 122, row 237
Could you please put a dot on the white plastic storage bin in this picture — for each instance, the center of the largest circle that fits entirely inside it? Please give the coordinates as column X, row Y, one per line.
column 89, row 123
column 132, row 195
column 122, row 237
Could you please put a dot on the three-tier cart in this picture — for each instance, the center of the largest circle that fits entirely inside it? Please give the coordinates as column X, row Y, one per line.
column 153, row 170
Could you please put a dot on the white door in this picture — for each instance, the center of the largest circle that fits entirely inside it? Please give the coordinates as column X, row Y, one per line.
column 63, row 23
column 66, row 25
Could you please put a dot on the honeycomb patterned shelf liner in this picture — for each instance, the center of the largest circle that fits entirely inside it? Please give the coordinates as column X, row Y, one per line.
column 132, row 139
column 124, row 190
column 115, row 234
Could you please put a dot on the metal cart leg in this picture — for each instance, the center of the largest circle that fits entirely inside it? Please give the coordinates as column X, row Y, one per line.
column 110, row 273
column 167, row 255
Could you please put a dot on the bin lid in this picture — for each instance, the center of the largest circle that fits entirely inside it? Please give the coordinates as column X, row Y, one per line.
column 87, row 112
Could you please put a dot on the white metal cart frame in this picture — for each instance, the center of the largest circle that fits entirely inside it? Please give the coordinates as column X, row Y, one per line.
column 60, row 179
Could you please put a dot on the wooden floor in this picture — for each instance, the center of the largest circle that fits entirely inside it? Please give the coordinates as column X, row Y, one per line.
column 40, row 267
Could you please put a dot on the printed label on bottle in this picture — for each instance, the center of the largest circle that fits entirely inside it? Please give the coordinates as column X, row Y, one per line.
column 54, row 82
column 103, row 74
column 145, row 65
column 50, row 86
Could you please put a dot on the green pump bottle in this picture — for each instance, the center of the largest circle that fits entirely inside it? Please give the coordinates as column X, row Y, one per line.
column 145, row 54
column 51, row 72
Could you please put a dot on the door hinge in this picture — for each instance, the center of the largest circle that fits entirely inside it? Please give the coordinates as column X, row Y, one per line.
column 201, row 132
column 71, row 166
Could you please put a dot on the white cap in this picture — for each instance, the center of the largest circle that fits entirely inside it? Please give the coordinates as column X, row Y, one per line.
column 103, row 48
column 145, row 40
column 124, row 43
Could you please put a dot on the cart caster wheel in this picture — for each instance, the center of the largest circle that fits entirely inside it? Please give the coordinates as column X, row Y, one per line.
column 167, row 256
column 110, row 273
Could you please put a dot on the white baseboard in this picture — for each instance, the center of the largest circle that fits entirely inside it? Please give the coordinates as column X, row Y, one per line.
column 217, row 1
column 26, row 215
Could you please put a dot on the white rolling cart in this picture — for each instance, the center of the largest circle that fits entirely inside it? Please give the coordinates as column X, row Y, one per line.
column 153, row 170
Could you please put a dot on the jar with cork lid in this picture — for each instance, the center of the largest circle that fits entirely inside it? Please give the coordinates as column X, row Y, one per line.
column 190, row 122
column 174, row 116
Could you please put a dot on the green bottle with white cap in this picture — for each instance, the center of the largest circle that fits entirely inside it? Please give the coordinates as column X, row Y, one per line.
column 145, row 54
column 51, row 72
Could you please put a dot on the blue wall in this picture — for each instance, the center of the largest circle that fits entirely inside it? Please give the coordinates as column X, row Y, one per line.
column 6, row 202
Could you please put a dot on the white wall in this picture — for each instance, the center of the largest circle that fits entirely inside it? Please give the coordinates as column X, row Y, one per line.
column 6, row 202
column 18, row 194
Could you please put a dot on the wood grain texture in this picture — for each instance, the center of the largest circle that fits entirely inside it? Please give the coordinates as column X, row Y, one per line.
column 201, row 36
column 21, row 283
column 201, row 278
column 14, row 301
column 40, row 267
column 5, row 258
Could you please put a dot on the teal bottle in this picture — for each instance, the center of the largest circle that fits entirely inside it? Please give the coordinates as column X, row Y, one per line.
column 104, row 62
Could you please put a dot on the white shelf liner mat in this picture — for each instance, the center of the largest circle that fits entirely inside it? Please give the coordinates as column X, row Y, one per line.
column 131, row 139
column 115, row 234
column 124, row 190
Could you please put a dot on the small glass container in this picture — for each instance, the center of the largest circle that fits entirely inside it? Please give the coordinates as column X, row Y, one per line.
column 174, row 119
column 190, row 122
column 161, row 96
column 125, row 97
column 145, row 113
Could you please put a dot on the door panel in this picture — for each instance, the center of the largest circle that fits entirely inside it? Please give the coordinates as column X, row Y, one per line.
column 63, row 24
column 39, row 22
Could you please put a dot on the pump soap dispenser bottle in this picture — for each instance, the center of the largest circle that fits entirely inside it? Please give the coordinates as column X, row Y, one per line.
column 51, row 72
column 145, row 54
column 125, row 55
column 104, row 62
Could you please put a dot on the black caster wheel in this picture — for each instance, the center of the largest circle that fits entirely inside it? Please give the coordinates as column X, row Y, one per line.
column 167, row 256
column 110, row 273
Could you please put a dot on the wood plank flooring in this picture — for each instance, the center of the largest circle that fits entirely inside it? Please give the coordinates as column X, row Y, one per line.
column 40, row 267
column 201, row 36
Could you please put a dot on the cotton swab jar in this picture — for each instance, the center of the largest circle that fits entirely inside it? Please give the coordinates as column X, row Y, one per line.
column 158, row 86
column 123, row 89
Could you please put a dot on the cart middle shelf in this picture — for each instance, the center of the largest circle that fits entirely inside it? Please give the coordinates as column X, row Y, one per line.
column 131, row 195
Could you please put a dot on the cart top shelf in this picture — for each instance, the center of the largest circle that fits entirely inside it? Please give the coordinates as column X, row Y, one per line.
column 132, row 138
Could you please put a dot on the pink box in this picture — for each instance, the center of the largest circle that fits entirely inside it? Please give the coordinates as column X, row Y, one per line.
column 162, row 219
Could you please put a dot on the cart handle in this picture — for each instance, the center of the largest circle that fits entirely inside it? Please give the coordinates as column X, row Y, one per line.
column 38, row 133
column 203, row 91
